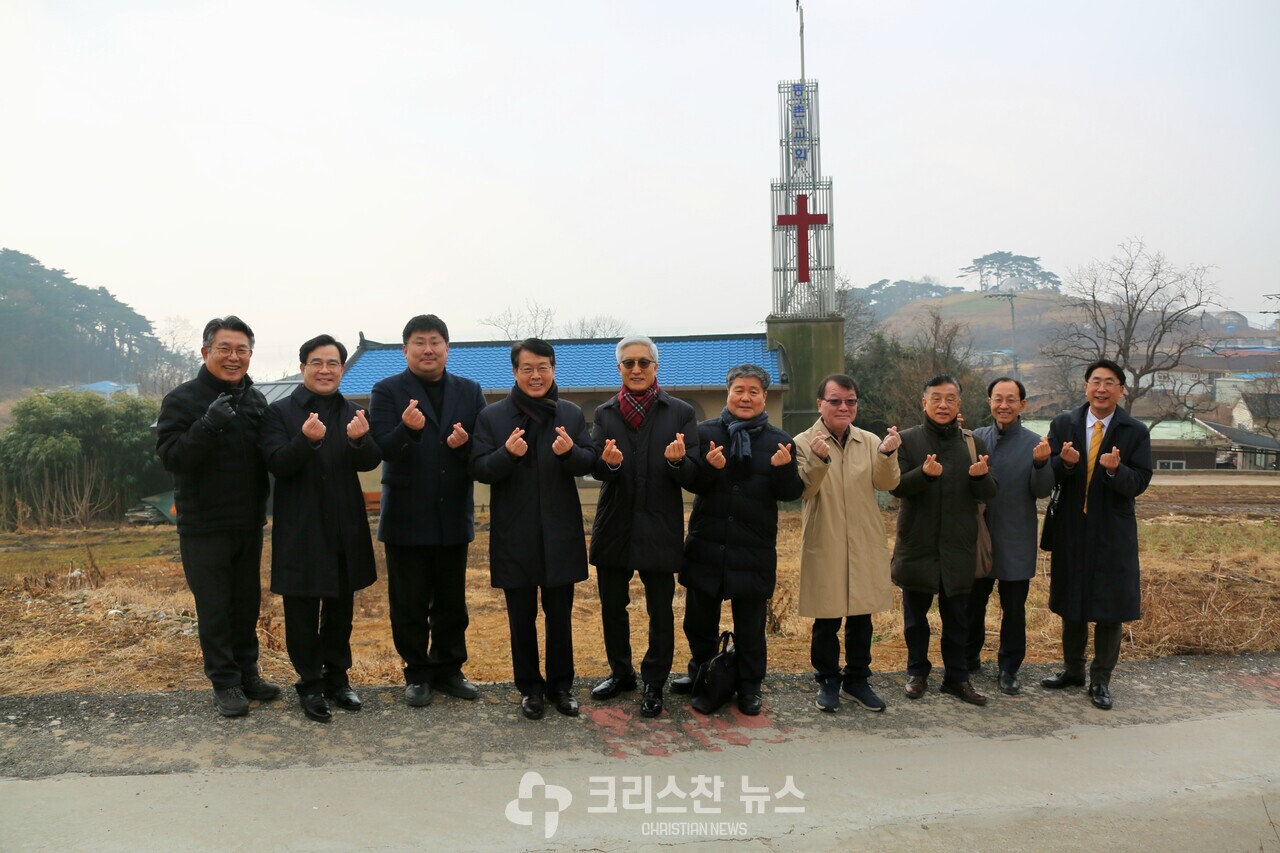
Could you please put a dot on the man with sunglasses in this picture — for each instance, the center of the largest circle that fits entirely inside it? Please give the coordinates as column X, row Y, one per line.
column 646, row 445
column 207, row 437
column 1101, row 461
column 844, row 558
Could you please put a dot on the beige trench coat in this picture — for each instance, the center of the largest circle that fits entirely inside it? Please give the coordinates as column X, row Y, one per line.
column 844, row 560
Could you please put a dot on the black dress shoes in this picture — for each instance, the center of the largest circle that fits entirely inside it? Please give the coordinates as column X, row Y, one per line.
column 963, row 690
column 1009, row 684
column 682, row 685
column 231, row 701
column 532, row 707
column 750, row 703
column 315, row 707
column 1061, row 680
column 1100, row 695
column 651, row 703
column 565, row 703
column 916, row 686
column 458, row 687
column 612, row 686
column 344, row 697
column 256, row 688
column 418, row 695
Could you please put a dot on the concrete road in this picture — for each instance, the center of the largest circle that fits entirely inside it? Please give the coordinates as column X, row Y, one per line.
column 1189, row 760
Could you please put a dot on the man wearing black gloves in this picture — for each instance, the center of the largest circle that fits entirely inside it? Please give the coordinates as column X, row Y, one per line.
column 315, row 443
column 207, row 437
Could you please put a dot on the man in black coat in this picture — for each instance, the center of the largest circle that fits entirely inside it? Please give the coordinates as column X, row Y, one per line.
column 207, row 437
column 315, row 443
column 935, row 553
column 1094, row 533
column 731, row 552
column 422, row 420
column 646, row 443
column 530, row 447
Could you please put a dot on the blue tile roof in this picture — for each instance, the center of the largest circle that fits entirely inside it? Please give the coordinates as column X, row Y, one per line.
column 685, row 361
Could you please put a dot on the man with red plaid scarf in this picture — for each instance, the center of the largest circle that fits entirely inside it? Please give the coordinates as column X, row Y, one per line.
column 646, row 444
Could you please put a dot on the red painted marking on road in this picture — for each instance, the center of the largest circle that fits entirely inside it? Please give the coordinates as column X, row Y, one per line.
column 1265, row 686
column 624, row 733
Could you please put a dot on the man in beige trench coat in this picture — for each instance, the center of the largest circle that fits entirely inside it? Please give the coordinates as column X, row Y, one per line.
column 844, row 561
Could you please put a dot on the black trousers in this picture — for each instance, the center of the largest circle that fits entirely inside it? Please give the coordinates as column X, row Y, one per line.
column 954, row 610
column 224, row 573
column 522, row 616
column 824, row 648
column 702, row 630
column 317, row 634
column 427, row 593
column 1106, row 648
column 1013, row 622
column 615, row 594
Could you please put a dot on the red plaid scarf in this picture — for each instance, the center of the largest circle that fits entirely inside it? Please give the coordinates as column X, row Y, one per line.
column 635, row 406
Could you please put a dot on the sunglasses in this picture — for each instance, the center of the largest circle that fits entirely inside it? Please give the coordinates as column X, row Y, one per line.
column 840, row 404
column 645, row 363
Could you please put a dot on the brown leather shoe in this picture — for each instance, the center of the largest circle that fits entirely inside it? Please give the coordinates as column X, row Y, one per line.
column 963, row 691
column 916, row 686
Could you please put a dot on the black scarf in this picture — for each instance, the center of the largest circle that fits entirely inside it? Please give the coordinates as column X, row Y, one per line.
column 741, row 432
column 540, row 410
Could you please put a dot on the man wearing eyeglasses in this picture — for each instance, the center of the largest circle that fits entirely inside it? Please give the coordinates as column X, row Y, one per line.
column 935, row 553
column 207, row 437
column 422, row 420
column 646, row 445
column 1101, row 461
column 844, row 559
column 315, row 442
column 530, row 447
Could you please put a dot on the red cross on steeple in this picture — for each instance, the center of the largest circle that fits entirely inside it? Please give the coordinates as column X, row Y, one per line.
column 802, row 220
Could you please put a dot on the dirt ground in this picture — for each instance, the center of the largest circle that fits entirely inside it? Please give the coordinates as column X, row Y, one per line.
column 108, row 609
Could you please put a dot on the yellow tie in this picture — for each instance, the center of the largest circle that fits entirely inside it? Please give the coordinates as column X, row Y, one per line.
column 1095, row 444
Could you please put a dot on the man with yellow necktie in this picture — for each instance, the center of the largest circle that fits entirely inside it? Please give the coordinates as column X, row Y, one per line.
column 1094, row 533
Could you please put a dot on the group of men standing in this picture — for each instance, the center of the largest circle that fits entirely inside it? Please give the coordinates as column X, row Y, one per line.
column 434, row 435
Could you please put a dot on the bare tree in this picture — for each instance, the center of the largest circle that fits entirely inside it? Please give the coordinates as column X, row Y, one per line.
column 945, row 346
column 1146, row 314
column 598, row 326
column 531, row 321
column 859, row 317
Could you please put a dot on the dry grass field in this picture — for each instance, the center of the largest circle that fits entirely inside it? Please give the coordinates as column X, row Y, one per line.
column 107, row 609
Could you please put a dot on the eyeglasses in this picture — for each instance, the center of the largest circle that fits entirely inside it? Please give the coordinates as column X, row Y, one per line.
column 1102, row 383
column 225, row 350
column 841, row 404
column 645, row 363
column 541, row 369
column 950, row 400
column 331, row 363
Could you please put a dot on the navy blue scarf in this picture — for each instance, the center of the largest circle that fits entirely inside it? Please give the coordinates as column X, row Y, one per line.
column 741, row 432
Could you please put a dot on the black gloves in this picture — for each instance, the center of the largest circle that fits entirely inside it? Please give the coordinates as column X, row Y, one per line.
column 220, row 412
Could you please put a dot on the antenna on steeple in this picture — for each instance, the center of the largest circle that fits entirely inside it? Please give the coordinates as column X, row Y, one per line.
column 800, row 9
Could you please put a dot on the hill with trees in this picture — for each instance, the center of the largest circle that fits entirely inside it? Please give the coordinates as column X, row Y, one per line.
column 59, row 332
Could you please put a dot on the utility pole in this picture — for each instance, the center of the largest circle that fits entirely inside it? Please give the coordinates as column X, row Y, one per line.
column 1013, row 324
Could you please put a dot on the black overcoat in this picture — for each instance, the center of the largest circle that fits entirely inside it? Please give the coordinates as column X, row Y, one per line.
column 319, row 503
column 732, row 547
column 937, row 541
column 219, row 479
column 536, row 535
column 639, row 520
column 1094, row 569
column 426, row 485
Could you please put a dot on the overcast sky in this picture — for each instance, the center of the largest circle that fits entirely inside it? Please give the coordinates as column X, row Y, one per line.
column 340, row 167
